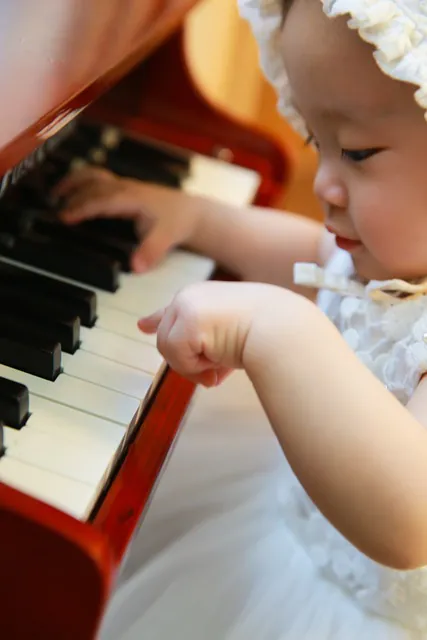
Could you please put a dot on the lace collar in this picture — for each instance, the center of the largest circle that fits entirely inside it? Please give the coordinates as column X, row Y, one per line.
column 346, row 284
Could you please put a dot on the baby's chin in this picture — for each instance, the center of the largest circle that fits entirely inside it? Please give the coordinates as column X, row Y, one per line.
column 368, row 268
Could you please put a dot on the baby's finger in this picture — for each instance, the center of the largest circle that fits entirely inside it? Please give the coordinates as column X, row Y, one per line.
column 205, row 378
column 78, row 178
column 150, row 324
column 102, row 207
column 211, row 377
column 164, row 331
column 176, row 346
column 153, row 248
column 86, row 192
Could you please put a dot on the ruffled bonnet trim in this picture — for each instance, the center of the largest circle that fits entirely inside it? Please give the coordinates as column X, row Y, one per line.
column 396, row 28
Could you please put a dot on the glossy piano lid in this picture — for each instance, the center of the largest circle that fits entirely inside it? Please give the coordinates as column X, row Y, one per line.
column 57, row 56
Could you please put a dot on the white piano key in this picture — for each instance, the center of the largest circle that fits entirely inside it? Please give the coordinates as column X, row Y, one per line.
column 78, row 421
column 78, row 394
column 68, row 495
column 10, row 436
column 141, row 294
column 81, row 428
column 57, row 455
column 178, row 266
column 107, row 373
column 123, row 324
column 222, row 181
column 132, row 353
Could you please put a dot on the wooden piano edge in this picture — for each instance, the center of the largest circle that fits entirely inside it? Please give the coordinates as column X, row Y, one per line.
column 135, row 481
column 78, row 560
column 72, row 561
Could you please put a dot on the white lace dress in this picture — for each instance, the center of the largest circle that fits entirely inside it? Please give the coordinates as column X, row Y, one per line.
column 233, row 549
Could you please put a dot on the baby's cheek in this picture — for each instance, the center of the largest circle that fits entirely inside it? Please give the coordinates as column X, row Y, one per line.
column 388, row 234
column 371, row 221
column 381, row 229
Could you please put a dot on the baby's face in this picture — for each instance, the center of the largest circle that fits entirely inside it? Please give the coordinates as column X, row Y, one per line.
column 372, row 141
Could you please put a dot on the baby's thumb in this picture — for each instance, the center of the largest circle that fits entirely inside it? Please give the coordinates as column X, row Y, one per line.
column 152, row 249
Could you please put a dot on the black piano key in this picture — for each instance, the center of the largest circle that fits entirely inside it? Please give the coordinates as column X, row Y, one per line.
column 15, row 221
column 27, row 351
column 80, row 236
column 33, row 197
column 146, row 153
column 47, row 317
column 138, row 152
column 72, row 262
column 68, row 298
column 123, row 230
column 2, row 439
column 55, row 169
column 76, row 146
column 127, row 168
column 129, row 157
column 67, row 155
column 14, row 403
column 89, row 132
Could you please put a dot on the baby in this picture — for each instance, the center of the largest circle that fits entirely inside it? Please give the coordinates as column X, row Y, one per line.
column 340, row 371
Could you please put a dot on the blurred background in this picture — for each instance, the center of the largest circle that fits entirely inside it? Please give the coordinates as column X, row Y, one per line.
column 223, row 57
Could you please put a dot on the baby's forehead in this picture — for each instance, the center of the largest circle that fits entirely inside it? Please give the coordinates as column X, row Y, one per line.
column 331, row 68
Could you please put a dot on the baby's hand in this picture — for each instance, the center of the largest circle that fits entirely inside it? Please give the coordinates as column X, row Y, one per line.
column 202, row 334
column 166, row 216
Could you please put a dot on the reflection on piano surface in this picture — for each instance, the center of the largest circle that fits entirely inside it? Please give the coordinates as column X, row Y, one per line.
column 88, row 411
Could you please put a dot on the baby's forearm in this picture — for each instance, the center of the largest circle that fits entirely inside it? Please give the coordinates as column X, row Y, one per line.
column 259, row 245
column 360, row 455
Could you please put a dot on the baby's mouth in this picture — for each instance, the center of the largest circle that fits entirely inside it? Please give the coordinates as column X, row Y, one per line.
column 346, row 244
column 343, row 242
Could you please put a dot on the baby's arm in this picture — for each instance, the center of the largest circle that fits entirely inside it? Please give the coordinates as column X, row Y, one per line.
column 259, row 245
column 255, row 244
column 360, row 454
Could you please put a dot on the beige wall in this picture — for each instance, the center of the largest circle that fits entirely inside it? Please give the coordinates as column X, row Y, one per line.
column 223, row 56
column 224, row 60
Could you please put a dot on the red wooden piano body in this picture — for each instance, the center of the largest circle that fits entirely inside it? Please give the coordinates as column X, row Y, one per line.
column 59, row 57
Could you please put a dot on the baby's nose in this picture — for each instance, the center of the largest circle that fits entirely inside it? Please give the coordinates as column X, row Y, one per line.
column 330, row 190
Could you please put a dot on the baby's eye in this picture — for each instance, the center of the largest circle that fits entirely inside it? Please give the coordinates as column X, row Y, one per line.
column 358, row 155
column 310, row 139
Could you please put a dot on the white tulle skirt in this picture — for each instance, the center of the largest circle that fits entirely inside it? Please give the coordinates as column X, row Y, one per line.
column 214, row 559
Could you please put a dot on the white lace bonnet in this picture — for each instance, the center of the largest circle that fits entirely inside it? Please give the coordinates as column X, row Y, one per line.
column 396, row 28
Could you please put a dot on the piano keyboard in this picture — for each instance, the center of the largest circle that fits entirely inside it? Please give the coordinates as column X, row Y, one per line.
column 79, row 413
